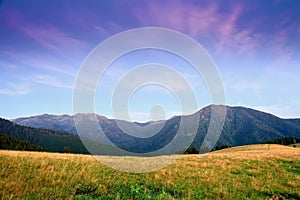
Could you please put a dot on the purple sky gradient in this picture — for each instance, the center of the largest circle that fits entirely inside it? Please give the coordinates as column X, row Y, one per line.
column 255, row 44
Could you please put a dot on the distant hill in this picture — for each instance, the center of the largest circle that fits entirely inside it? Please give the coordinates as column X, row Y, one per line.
column 51, row 140
column 53, row 122
column 242, row 126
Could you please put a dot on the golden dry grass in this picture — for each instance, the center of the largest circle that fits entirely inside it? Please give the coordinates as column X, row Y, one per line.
column 248, row 172
column 244, row 152
column 259, row 152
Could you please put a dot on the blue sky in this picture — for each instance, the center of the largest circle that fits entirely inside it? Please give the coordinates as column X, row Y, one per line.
column 255, row 45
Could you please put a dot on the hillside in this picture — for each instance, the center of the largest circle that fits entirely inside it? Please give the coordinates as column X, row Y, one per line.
column 248, row 126
column 242, row 126
column 10, row 143
column 48, row 139
column 249, row 172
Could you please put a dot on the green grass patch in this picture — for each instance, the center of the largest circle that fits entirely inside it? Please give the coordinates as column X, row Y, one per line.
column 291, row 166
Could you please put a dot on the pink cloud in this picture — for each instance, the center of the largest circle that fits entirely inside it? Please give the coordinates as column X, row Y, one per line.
column 227, row 25
column 90, row 21
column 281, row 49
column 46, row 35
column 177, row 15
column 201, row 22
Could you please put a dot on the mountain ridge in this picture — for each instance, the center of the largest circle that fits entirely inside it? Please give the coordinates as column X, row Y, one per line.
column 242, row 126
column 146, row 122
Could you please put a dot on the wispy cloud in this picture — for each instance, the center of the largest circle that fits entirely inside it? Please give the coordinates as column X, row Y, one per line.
column 178, row 15
column 229, row 30
column 27, row 83
column 49, row 81
column 16, row 89
column 280, row 47
column 205, row 21
column 47, row 35
column 45, row 62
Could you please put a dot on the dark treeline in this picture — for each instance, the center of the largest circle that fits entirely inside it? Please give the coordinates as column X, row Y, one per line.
column 284, row 141
column 10, row 143
column 194, row 150
column 31, row 135
column 54, row 141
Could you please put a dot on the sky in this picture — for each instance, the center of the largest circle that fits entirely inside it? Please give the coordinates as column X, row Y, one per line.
column 254, row 45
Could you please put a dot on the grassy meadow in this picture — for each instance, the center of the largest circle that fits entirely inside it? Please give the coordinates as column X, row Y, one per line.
column 247, row 172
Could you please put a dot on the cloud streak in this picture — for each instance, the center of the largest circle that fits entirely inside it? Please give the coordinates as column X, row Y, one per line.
column 46, row 35
column 45, row 62
column 16, row 90
column 223, row 25
column 49, row 81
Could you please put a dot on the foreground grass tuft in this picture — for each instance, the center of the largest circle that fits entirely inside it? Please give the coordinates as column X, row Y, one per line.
column 250, row 172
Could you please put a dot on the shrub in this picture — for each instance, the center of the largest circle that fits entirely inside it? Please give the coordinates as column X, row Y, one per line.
column 67, row 149
column 191, row 150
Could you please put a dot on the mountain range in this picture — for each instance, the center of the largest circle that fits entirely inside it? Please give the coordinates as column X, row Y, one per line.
column 241, row 126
